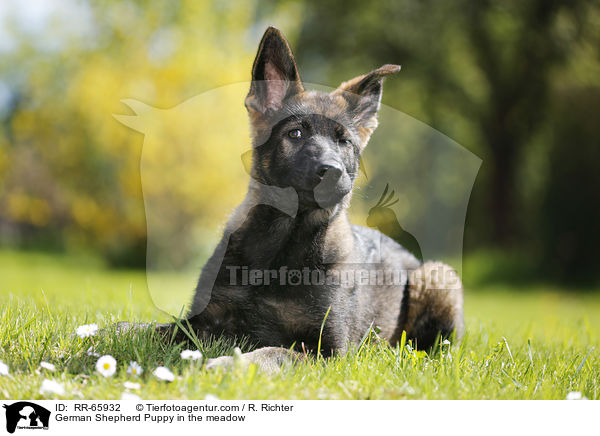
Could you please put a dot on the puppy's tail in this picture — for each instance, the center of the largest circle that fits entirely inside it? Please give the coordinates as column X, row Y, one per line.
column 433, row 304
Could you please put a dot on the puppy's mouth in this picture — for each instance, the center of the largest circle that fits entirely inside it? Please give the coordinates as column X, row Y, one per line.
column 321, row 198
column 325, row 193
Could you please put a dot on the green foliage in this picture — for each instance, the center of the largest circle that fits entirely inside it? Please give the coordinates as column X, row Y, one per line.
column 69, row 172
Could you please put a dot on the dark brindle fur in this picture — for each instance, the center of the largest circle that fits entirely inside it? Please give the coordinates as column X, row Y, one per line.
column 312, row 142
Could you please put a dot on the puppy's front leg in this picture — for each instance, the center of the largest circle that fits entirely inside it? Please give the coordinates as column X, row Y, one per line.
column 268, row 359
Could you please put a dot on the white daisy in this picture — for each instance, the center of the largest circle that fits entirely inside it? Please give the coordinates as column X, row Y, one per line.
column 191, row 355
column 446, row 342
column 210, row 397
column 48, row 366
column 3, row 368
column 135, row 369
column 129, row 396
column 106, row 365
column 87, row 330
column 575, row 396
column 51, row 387
column 131, row 385
column 164, row 374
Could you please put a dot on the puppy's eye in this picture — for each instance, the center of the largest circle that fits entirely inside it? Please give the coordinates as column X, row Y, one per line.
column 344, row 142
column 295, row 134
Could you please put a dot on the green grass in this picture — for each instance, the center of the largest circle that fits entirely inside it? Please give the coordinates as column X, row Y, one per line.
column 521, row 343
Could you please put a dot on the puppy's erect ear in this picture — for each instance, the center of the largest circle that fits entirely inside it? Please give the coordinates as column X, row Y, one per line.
column 363, row 94
column 274, row 74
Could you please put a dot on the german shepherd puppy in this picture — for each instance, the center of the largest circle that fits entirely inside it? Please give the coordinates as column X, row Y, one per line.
column 312, row 142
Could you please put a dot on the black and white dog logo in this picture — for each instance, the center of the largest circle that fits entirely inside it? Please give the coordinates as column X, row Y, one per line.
column 26, row 415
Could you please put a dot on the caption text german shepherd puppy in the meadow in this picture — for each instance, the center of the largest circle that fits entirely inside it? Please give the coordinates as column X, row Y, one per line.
column 312, row 142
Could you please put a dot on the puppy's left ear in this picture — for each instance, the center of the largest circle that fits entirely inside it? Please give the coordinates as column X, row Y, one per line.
column 363, row 94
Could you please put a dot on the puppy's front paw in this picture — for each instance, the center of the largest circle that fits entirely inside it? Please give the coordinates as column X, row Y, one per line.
column 225, row 362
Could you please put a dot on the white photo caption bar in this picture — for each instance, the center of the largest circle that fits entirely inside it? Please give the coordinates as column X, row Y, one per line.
column 292, row 417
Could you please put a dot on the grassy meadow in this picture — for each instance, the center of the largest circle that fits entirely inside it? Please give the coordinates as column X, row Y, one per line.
column 530, row 342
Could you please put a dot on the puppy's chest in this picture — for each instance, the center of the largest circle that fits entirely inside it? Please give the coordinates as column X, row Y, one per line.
column 296, row 314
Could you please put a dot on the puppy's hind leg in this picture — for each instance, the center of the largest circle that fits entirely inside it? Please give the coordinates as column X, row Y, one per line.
column 435, row 304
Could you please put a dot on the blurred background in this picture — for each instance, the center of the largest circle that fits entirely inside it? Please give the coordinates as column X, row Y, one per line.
column 517, row 83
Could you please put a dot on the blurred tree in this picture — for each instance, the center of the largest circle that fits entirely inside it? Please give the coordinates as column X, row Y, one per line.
column 570, row 210
column 69, row 172
column 517, row 64
column 481, row 69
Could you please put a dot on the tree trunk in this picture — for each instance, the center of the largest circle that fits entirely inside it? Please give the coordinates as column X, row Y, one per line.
column 502, row 199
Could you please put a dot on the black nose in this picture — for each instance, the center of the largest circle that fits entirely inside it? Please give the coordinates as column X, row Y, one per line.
column 332, row 170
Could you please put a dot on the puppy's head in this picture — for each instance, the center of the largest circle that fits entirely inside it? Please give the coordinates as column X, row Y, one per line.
column 309, row 140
